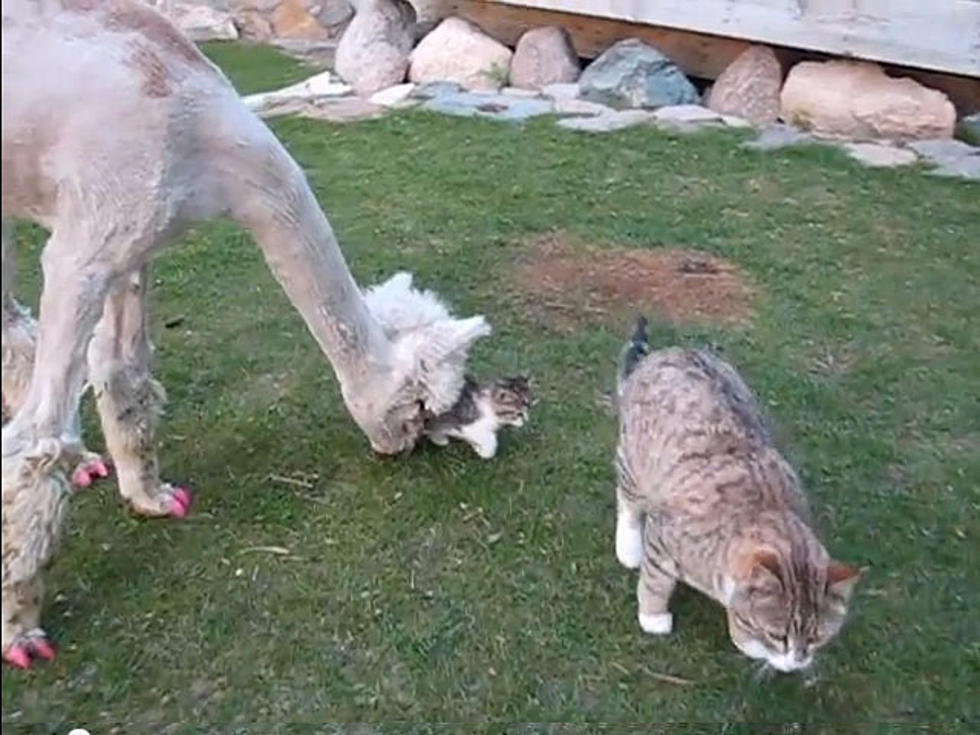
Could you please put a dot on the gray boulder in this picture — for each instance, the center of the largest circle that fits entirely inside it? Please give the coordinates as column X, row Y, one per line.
column 968, row 129
column 632, row 73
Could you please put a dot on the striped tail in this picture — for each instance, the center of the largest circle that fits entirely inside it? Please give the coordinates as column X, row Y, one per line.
column 635, row 350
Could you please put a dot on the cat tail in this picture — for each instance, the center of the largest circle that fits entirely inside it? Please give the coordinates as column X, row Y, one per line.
column 633, row 352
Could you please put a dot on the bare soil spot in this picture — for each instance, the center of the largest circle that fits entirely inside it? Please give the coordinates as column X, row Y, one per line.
column 573, row 283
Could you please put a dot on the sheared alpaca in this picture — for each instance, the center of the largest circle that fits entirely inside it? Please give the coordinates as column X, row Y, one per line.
column 118, row 134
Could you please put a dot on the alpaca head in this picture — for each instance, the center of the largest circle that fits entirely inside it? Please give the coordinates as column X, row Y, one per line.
column 428, row 360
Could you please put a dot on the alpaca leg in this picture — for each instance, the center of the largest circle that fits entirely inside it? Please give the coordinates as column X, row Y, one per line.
column 19, row 342
column 654, row 589
column 37, row 446
column 130, row 400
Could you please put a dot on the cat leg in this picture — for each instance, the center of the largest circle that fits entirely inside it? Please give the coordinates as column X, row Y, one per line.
column 654, row 589
column 440, row 440
column 629, row 520
column 482, row 436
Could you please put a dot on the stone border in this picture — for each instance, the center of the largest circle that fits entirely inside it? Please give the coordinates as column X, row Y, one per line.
column 325, row 97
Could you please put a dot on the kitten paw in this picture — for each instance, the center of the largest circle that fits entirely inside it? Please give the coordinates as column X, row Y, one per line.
column 629, row 545
column 657, row 624
column 440, row 440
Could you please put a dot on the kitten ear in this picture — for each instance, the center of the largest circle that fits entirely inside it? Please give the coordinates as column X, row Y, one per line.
column 841, row 579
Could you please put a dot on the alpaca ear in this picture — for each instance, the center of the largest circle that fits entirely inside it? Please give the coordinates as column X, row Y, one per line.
column 841, row 579
column 452, row 338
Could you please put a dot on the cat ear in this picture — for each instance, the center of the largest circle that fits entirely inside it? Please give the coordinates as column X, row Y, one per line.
column 758, row 566
column 841, row 579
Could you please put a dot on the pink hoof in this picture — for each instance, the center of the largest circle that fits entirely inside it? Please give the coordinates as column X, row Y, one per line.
column 88, row 472
column 17, row 656
column 41, row 648
column 81, row 477
column 99, row 468
column 181, row 503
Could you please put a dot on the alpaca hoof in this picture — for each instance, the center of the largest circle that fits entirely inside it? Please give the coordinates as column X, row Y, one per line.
column 41, row 647
column 180, row 502
column 17, row 656
column 88, row 471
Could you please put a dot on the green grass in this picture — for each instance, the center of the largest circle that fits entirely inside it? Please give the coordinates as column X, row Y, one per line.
column 439, row 587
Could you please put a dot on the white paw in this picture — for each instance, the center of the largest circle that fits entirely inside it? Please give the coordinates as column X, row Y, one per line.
column 629, row 545
column 440, row 440
column 658, row 624
column 485, row 451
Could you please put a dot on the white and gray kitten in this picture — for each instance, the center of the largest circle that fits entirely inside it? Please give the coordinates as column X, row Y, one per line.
column 480, row 412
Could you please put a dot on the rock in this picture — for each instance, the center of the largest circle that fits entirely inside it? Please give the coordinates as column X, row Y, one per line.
column 856, row 99
column 393, row 96
column 373, row 52
column 879, row 156
column 318, row 86
column 457, row 51
column 968, row 129
column 519, row 92
column 345, row 109
column 435, row 89
column 580, row 107
column 253, row 25
column 544, row 56
column 614, row 120
column 733, row 121
column 950, row 157
column 749, row 86
column 561, row 91
column 686, row 114
column 632, row 73
column 491, row 105
column 201, row 22
column 778, row 136
column 291, row 19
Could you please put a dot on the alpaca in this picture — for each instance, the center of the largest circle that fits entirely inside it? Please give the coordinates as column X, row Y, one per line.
column 118, row 134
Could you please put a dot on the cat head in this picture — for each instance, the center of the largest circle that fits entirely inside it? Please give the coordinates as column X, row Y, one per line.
column 782, row 610
column 511, row 399
column 429, row 349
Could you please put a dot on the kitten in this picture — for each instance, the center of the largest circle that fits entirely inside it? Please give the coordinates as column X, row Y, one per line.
column 482, row 409
column 704, row 498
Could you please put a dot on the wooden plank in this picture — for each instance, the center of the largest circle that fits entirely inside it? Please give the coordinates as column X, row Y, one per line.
column 941, row 35
column 697, row 54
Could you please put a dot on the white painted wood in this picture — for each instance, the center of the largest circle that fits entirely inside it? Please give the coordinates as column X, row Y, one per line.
column 943, row 35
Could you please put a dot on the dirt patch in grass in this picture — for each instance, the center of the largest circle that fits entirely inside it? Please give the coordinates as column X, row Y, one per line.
column 572, row 283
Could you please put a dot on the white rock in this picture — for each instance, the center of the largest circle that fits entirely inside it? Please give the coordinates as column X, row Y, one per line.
column 202, row 23
column 878, row 156
column 457, row 51
column 686, row 114
column 580, row 107
column 393, row 96
column 520, row 92
column 616, row 120
column 561, row 91
column 733, row 121
column 324, row 84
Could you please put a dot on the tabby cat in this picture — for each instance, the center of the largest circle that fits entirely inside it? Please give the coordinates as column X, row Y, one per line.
column 482, row 409
column 704, row 498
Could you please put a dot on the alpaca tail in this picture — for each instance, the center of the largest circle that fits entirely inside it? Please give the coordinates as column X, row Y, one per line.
column 633, row 352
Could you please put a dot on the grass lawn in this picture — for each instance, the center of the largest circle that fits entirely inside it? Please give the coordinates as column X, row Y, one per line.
column 440, row 587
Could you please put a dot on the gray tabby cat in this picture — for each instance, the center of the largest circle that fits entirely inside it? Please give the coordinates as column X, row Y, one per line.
column 482, row 409
column 704, row 498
